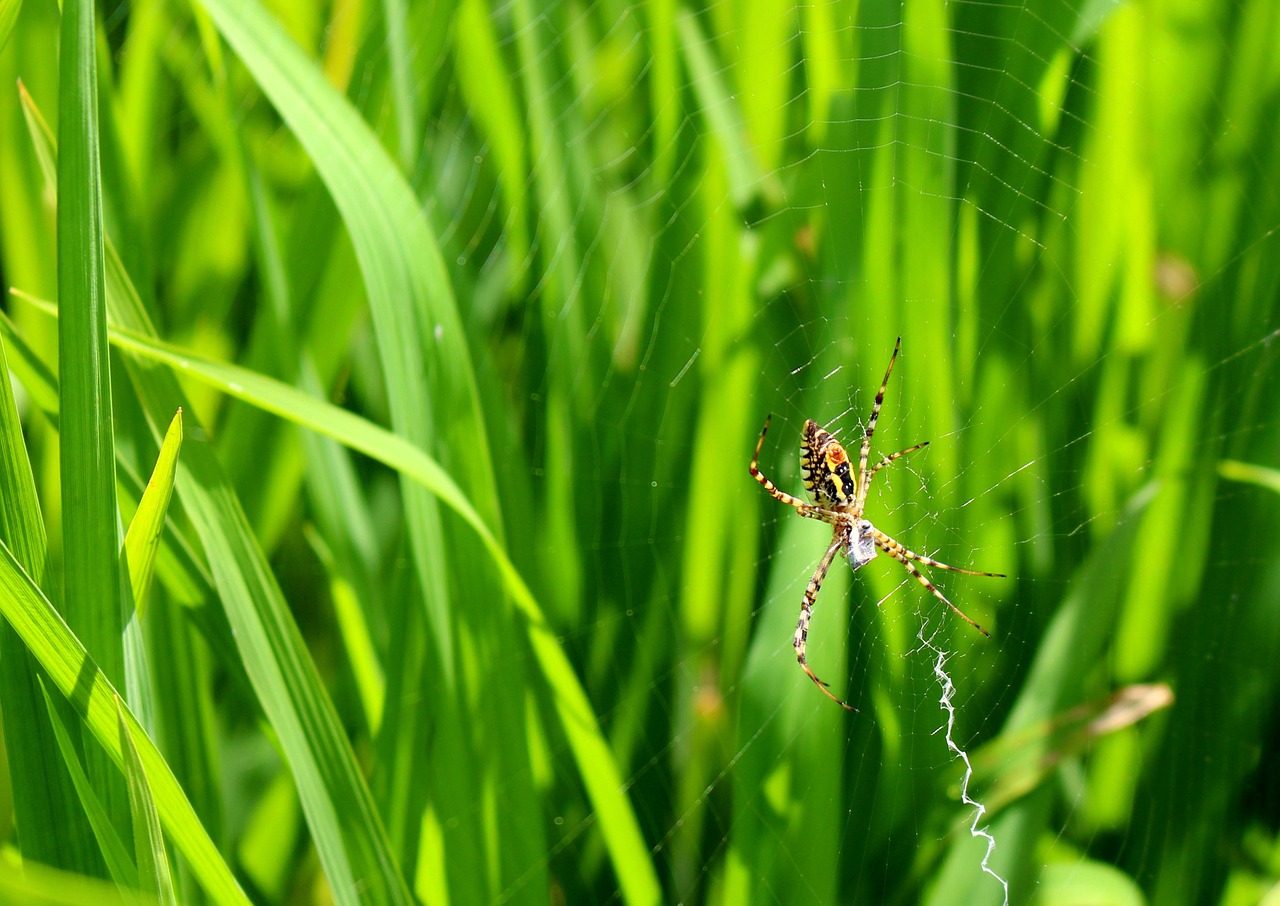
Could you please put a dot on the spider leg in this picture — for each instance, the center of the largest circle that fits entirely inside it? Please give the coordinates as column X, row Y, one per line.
column 898, row 552
column 863, row 478
column 884, row 462
column 804, row 508
column 806, row 612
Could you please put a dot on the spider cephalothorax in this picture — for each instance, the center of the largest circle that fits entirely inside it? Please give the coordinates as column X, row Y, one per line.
column 837, row 496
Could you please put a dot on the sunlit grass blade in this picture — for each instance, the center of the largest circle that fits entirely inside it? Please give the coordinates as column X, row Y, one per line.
column 371, row 684
column 184, row 575
column 308, row 411
column 33, row 884
column 720, row 109
column 403, row 90
column 9, row 10
column 344, row 823
column 580, row 725
column 53, row 828
column 407, row 285
column 42, row 138
column 114, row 852
column 426, row 366
column 91, row 694
column 92, row 587
column 142, row 541
column 1250, row 473
column 484, row 80
column 148, row 839
column 21, row 527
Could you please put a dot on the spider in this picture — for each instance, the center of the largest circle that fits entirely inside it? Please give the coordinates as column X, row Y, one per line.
column 837, row 498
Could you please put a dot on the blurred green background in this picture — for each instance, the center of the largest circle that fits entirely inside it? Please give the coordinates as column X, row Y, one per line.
column 474, row 312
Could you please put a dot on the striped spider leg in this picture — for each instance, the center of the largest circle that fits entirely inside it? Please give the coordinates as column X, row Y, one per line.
column 837, row 497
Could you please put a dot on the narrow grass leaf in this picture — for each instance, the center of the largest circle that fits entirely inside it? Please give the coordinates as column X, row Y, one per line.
column 42, row 138
column 34, row 884
column 148, row 839
column 595, row 759
column 720, row 109
column 371, row 684
column 340, row 812
column 91, row 520
column 292, row 404
column 21, row 527
column 409, row 292
column 400, row 56
column 9, row 10
column 1250, row 473
column 425, row 362
column 37, row 379
column 184, row 576
column 78, row 677
column 114, row 852
column 51, row 826
column 142, row 541
column 491, row 95
column 1013, row 765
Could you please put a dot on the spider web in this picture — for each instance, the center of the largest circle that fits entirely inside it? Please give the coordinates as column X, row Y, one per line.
column 727, row 219
column 1069, row 213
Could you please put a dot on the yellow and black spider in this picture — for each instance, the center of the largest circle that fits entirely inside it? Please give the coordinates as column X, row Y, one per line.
column 838, row 499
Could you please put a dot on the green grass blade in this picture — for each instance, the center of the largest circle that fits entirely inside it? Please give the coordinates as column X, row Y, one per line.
column 370, row 678
column 332, row 421
column 1250, row 473
column 52, row 826
column 719, row 108
column 42, row 139
column 142, row 541
column 419, row 332
column 340, row 812
column 596, row 761
column 39, row 885
column 184, row 575
column 90, row 517
column 148, row 839
column 408, row 129
column 346, row 829
column 20, row 525
column 91, row 694
column 9, row 10
column 302, row 409
column 426, row 366
column 114, row 852
column 483, row 79
column 290, row 693
column 409, row 292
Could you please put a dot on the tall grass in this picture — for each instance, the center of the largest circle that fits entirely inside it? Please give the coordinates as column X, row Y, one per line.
column 473, row 313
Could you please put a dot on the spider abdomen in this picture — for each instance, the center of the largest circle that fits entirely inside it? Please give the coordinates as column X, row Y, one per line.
column 825, row 468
